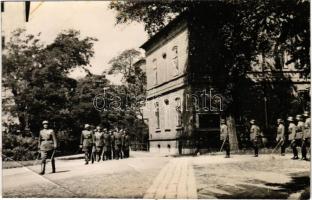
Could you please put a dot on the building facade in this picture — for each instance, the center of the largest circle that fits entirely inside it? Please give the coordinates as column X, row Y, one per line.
column 185, row 98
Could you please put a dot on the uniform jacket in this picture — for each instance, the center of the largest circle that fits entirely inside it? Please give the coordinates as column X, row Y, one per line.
column 292, row 131
column 126, row 141
column 280, row 132
column 99, row 138
column 118, row 138
column 255, row 132
column 307, row 128
column 224, row 132
column 47, row 140
column 300, row 129
column 87, row 138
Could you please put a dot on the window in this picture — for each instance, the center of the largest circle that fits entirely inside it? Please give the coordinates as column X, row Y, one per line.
column 155, row 75
column 178, row 112
column 3, row 42
column 175, row 62
column 157, row 115
column 2, row 6
column 167, row 114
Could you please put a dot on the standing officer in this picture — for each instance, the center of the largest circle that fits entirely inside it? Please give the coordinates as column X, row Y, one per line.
column 292, row 137
column 86, row 143
column 118, row 143
column 280, row 136
column 47, row 144
column 98, row 140
column 224, row 137
column 255, row 136
column 306, row 135
column 300, row 135
column 107, row 148
column 112, row 138
column 126, row 144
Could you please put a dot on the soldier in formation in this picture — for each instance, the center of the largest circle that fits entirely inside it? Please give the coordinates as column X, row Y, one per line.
column 255, row 136
column 99, row 141
column 280, row 136
column 306, row 135
column 86, row 143
column 47, row 144
column 224, row 137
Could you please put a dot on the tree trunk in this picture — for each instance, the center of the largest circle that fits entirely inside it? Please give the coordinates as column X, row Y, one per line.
column 232, row 132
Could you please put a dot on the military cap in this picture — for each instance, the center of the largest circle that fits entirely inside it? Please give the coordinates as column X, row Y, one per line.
column 306, row 113
column 87, row 125
column 45, row 122
column 290, row 119
column 252, row 121
column 280, row 120
column 222, row 121
column 298, row 117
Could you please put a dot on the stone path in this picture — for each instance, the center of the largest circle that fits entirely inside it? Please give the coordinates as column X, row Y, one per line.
column 175, row 180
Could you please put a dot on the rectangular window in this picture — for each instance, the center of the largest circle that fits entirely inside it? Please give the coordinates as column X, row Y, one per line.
column 157, row 115
column 3, row 42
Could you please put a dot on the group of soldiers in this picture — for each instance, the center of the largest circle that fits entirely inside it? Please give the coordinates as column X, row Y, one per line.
column 96, row 144
column 298, row 135
column 104, row 144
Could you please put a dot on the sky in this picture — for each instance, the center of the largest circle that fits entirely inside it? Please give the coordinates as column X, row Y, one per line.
column 93, row 19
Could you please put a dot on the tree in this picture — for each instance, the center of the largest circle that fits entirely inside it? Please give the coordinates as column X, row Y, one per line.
column 37, row 76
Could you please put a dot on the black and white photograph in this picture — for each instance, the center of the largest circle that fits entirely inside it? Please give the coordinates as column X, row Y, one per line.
column 156, row 99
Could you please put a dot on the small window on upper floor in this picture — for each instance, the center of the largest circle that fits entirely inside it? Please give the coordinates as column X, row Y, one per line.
column 175, row 63
column 2, row 6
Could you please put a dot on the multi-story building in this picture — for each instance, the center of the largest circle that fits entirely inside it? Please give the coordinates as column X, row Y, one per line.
column 183, row 83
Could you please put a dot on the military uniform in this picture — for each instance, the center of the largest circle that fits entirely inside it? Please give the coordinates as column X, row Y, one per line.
column 87, row 141
column 107, row 148
column 113, row 152
column 47, row 145
column 224, row 137
column 99, row 142
column 292, row 132
column 126, row 145
column 280, row 137
column 306, row 139
column 118, row 144
column 255, row 137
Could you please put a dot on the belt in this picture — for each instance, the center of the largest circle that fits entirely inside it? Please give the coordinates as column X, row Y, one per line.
column 46, row 140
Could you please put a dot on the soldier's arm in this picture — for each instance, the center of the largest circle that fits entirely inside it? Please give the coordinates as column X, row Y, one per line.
column 54, row 139
column 81, row 138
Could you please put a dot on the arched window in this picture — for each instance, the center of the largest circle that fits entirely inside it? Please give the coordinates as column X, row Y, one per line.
column 154, row 73
column 157, row 115
column 175, row 62
column 167, row 114
column 178, row 112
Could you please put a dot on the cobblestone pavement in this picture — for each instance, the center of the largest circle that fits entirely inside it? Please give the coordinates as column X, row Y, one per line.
column 176, row 180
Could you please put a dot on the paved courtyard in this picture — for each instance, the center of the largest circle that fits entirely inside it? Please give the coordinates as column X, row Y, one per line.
column 147, row 175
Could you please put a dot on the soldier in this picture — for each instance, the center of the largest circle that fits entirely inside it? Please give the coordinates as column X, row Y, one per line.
column 299, row 133
column 118, row 143
column 107, row 148
column 47, row 144
column 126, row 144
column 112, row 138
column 306, row 135
column 280, row 136
column 292, row 137
column 224, row 137
column 86, row 143
column 98, row 140
column 255, row 136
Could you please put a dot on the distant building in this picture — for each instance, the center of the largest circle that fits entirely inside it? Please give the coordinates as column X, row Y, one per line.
column 183, row 105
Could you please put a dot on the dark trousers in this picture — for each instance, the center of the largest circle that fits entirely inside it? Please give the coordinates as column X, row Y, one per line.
column 88, row 154
column 294, row 144
column 256, row 146
column 126, row 152
column 44, row 156
column 107, row 153
column 226, row 147
column 98, row 153
column 304, row 146
column 118, row 151
column 283, row 147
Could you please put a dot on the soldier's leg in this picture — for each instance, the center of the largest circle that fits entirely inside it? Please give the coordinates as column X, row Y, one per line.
column 86, row 150
column 304, row 150
column 43, row 161
column 228, row 149
column 283, row 146
column 51, row 154
column 295, row 151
